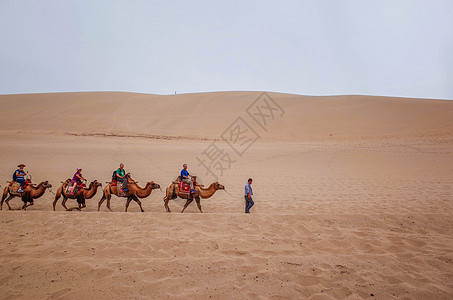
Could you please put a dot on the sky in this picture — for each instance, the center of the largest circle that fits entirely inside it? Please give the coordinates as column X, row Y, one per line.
column 388, row 47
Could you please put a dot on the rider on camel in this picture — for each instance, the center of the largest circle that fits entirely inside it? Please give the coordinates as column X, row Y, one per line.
column 76, row 179
column 121, row 176
column 187, row 178
column 19, row 176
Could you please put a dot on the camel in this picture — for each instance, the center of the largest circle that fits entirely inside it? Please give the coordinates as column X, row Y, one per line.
column 30, row 193
column 173, row 192
column 81, row 195
column 134, row 192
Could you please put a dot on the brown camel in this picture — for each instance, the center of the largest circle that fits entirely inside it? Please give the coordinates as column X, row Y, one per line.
column 30, row 193
column 81, row 195
column 173, row 192
column 134, row 192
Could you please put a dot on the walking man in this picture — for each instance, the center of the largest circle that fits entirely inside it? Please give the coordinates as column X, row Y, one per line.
column 248, row 196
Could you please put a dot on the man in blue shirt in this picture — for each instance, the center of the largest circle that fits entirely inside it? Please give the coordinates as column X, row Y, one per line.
column 248, row 196
column 187, row 178
column 20, row 177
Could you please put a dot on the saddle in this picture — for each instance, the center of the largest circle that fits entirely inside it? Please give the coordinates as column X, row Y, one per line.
column 119, row 188
column 79, row 186
column 184, row 187
column 14, row 187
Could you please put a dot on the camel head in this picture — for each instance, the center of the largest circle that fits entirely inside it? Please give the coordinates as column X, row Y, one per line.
column 95, row 183
column 153, row 185
column 218, row 186
column 46, row 184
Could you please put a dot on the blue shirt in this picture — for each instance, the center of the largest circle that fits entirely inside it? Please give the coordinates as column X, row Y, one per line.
column 248, row 189
column 185, row 173
column 20, row 175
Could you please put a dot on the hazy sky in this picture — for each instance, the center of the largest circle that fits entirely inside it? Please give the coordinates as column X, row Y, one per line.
column 385, row 47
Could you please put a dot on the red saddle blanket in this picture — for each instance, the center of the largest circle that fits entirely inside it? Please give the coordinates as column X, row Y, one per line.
column 27, row 182
column 184, row 187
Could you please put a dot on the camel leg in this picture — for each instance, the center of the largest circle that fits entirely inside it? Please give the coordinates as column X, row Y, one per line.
column 187, row 204
column 80, row 203
column 129, row 199
column 166, row 199
column 27, row 205
column 100, row 202
column 54, row 204
column 139, row 203
column 57, row 197
column 64, row 202
column 5, row 194
column 197, row 199
column 108, row 202
column 7, row 201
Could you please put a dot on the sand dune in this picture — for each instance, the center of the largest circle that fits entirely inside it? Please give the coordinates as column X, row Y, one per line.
column 353, row 198
column 207, row 115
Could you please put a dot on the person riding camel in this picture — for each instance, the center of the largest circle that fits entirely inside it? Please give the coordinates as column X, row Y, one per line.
column 76, row 179
column 19, row 176
column 121, row 176
column 187, row 178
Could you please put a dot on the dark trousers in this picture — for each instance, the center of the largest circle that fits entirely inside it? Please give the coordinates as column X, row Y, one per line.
column 21, row 181
column 248, row 203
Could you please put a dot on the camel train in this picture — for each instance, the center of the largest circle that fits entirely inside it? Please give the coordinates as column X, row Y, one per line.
column 80, row 192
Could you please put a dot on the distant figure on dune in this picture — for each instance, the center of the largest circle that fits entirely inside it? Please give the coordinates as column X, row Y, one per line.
column 248, row 196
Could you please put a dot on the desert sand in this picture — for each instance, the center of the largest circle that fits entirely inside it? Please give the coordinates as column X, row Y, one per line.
column 353, row 197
